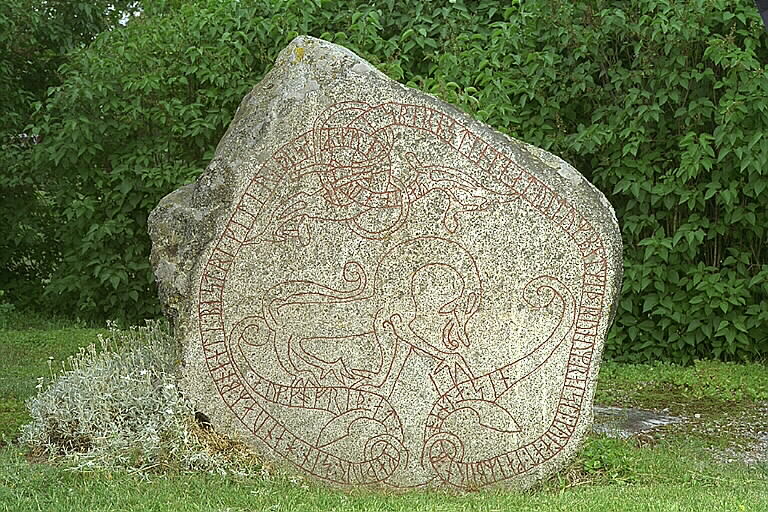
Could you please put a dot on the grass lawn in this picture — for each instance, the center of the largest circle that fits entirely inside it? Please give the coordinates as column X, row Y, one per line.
column 676, row 468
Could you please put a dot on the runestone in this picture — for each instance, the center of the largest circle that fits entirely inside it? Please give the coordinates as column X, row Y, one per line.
column 373, row 289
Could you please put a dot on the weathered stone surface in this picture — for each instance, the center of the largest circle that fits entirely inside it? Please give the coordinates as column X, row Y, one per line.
column 377, row 290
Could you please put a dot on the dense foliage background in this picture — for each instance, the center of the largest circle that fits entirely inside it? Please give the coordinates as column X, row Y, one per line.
column 663, row 104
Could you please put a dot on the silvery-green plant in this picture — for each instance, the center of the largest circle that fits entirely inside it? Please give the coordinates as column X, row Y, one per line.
column 118, row 406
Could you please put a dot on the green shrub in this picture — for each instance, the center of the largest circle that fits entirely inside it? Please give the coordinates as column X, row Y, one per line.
column 35, row 39
column 662, row 104
column 137, row 115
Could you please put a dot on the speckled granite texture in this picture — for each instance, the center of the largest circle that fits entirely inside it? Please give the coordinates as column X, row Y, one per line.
column 376, row 290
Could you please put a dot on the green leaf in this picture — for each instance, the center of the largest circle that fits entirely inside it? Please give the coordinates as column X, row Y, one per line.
column 649, row 302
column 125, row 187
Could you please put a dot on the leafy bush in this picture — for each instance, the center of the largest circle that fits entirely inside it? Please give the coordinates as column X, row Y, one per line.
column 118, row 406
column 137, row 115
column 35, row 39
column 662, row 104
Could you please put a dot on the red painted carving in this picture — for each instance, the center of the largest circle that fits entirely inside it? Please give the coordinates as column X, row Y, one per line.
column 342, row 171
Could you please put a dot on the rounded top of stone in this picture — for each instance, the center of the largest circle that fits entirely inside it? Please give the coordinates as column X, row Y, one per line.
column 307, row 49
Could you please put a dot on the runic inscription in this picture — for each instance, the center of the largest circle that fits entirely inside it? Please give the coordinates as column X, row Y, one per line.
column 375, row 290
column 324, row 369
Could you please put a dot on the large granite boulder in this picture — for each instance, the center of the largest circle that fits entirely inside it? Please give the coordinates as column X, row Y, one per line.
column 374, row 289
